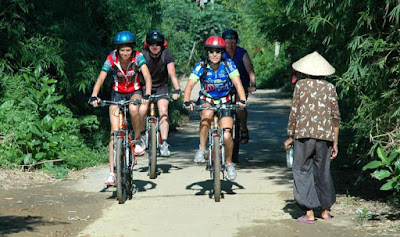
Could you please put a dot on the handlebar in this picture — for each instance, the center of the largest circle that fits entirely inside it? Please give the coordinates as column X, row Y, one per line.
column 121, row 102
column 216, row 107
column 160, row 95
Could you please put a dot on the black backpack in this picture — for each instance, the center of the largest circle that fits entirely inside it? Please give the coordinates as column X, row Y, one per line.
column 146, row 54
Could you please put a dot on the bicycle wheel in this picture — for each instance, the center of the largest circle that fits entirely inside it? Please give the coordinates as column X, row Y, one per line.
column 120, row 159
column 236, row 139
column 153, row 152
column 128, row 172
column 217, row 169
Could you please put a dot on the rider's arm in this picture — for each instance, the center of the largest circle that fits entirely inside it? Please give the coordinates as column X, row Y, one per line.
column 147, row 78
column 239, row 88
column 100, row 80
column 172, row 75
column 188, row 90
column 249, row 68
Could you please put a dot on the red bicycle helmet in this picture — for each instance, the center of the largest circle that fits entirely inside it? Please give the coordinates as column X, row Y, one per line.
column 215, row 42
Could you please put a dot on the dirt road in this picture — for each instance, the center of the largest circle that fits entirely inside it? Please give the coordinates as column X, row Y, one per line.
column 258, row 203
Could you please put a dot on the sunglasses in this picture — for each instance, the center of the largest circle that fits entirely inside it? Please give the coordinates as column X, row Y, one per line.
column 214, row 51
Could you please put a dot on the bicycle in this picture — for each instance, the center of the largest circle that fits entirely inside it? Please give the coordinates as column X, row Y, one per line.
column 216, row 147
column 123, row 150
column 152, row 134
column 235, row 129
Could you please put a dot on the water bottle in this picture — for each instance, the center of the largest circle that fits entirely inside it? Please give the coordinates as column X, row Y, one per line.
column 289, row 157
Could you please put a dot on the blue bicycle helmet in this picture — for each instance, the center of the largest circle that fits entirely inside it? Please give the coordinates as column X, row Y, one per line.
column 124, row 37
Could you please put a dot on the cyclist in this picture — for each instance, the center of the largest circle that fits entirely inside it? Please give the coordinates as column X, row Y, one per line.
column 161, row 64
column 216, row 77
column 125, row 64
column 243, row 63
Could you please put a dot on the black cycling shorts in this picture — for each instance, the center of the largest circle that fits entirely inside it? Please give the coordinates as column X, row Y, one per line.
column 116, row 96
column 161, row 90
column 222, row 112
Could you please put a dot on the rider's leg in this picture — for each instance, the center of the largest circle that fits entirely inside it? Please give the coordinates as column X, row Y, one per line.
column 227, row 123
column 135, row 117
column 205, row 124
column 162, row 105
column 242, row 115
column 143, row 108
column 114, row 120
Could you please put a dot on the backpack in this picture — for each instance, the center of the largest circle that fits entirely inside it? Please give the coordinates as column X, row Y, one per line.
column 135, row 66
column 146, row 54
column 204, row 75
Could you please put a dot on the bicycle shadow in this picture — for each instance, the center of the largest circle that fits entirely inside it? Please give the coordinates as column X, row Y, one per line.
column 137, row 186
column 206, row 187
column 161, row 168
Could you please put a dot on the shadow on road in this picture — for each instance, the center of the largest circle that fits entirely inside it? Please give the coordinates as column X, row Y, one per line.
column 292, row 209
column 137, row 185
column 161, row 168
column 206, row 187
column 16, row 224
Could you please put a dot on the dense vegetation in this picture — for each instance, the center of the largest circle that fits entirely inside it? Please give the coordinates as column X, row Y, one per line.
column 51, row 53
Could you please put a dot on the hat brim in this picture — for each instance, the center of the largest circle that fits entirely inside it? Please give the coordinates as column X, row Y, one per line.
column 314, row 64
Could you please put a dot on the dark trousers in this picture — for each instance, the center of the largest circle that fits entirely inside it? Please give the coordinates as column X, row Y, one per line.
column 313, row 186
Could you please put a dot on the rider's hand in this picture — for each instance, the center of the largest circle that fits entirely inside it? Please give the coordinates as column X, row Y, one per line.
column 188, row 105
column 145, row 99
column 242, row 104
column 94, row 101
column 176, row 94
column 251, row 89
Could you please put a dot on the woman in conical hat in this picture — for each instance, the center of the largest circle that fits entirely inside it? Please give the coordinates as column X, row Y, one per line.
column 313, row 131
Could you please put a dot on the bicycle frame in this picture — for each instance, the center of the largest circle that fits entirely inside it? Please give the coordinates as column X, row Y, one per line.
column 123, row 142
column 216, row 147
column 152, row 138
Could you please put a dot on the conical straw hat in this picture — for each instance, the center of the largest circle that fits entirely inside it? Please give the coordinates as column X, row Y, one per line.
column 314, row 64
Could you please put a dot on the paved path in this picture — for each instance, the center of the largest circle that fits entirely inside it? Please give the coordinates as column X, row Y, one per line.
column 258, row 203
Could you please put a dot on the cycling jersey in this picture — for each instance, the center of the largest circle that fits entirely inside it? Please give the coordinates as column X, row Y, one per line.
column 158, row 67
column 217, row 84
column 125, row 80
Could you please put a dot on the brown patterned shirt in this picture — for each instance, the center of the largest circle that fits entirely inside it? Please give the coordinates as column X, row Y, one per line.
column 315, row 111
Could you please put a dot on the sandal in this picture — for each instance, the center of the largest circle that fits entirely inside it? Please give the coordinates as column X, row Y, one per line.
column 302, row 219
column 244, row 135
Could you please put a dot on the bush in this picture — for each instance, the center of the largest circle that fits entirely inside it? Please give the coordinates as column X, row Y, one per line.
column 36, row 126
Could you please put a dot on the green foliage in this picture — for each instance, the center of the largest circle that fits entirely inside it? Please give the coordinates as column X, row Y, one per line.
column 186, row 33
column 360, row 39
column 388, row 168
column 35, row 125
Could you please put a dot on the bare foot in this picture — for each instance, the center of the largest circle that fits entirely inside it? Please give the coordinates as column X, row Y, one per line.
column 325, row 215
column 309, row 215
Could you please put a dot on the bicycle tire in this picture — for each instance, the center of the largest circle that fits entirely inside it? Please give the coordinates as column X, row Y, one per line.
column 153, row 152
column 217, row 169
column 121, row 191
column 128, row 173
column 236, row 139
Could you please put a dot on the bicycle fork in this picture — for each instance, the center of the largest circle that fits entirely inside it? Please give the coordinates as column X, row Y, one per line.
column 126, row 144
column 152, row 119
